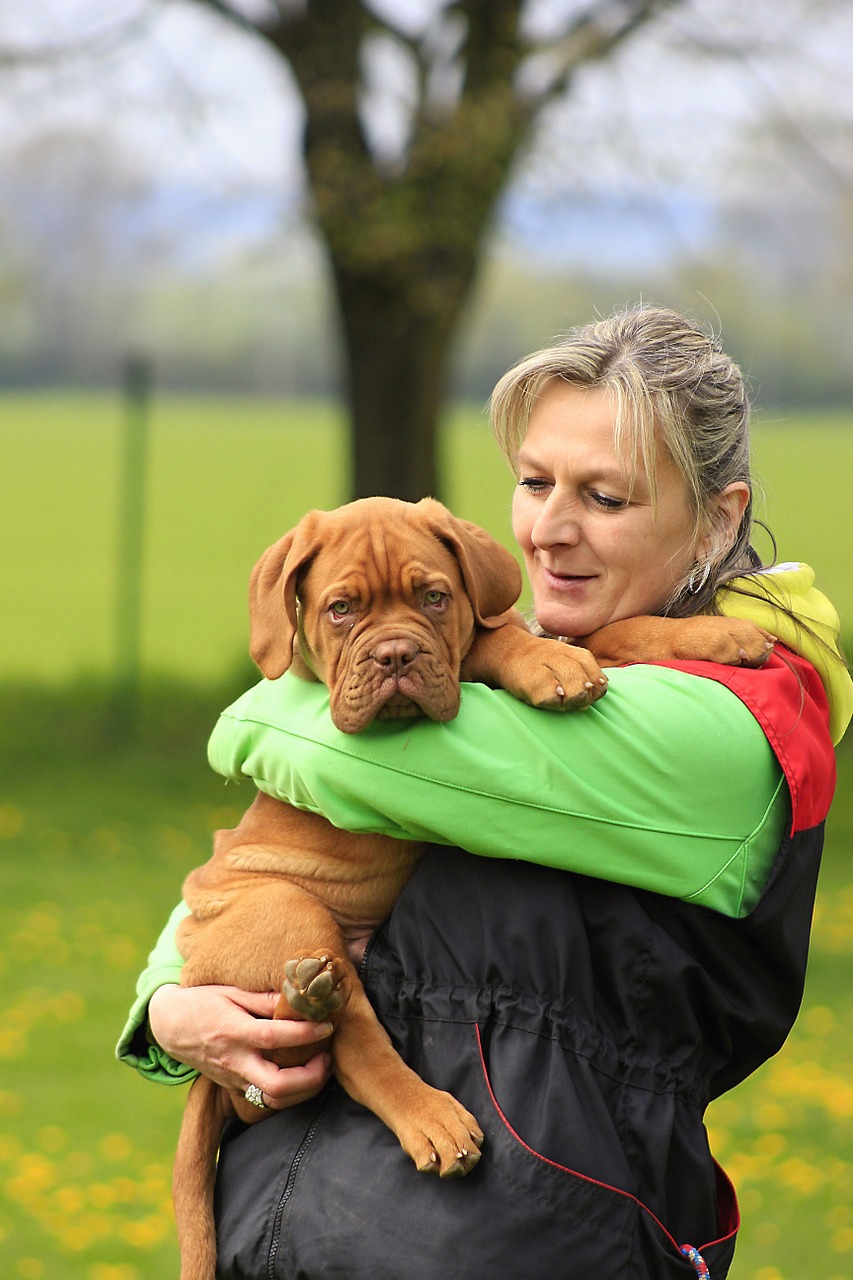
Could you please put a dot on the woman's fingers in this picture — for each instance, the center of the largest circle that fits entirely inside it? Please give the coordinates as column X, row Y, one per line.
column 284, row 1087
column 227, row 1033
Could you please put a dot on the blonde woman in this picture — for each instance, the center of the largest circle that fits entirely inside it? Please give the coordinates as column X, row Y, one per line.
column 625, row 937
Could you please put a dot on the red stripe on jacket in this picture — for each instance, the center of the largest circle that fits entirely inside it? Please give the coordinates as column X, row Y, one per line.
column 788, row 700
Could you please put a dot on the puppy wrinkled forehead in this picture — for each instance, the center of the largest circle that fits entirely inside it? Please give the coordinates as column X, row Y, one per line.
column 384, row 560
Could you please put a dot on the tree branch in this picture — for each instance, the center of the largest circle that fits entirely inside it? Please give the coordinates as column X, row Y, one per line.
column 94, row 45
column 594, row 35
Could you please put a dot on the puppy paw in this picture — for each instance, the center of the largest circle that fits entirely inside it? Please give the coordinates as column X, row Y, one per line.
column 442, row 1138
column 731, row 641
column 555, row 676
column 315, row 986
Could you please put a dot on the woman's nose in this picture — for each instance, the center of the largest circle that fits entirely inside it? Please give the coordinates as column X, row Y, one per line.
column 555, row 525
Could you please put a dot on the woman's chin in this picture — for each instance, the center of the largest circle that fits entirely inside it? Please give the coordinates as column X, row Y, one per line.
column 570, row 623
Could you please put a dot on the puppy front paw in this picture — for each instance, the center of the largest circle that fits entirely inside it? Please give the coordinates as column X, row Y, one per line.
column 731, row 641
column 555, row 676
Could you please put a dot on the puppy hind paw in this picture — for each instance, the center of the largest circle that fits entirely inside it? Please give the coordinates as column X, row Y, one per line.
column 456, row 1167
column 315, row 986
column 447, row 1141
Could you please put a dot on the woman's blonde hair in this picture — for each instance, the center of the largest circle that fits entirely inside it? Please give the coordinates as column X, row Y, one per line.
column 671, row 382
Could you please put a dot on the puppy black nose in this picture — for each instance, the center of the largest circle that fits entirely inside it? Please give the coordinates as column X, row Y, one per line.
column 395, row 655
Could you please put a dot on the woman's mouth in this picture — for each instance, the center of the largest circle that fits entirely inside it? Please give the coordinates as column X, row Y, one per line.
column 565, row 581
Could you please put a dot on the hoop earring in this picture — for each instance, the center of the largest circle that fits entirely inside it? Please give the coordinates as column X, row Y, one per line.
column 699, row 575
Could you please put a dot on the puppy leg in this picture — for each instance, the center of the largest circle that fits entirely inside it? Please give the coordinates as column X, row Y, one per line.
column 433, row 1128
column 731, row 641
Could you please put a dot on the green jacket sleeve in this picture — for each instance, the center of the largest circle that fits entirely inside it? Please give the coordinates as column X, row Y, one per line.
column 628, row 790
column 136, row 1048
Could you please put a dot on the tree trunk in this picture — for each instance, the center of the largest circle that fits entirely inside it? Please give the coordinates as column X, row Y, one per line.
column 403, row 242
column 397, row 358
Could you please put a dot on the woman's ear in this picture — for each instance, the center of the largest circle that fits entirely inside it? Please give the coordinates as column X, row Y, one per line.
column 725, row 517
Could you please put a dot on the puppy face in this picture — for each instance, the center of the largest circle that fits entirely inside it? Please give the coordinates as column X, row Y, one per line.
column 379, row 599
column 385, row 622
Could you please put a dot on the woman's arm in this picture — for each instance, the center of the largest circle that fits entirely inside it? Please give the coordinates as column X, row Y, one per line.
column 667, row 783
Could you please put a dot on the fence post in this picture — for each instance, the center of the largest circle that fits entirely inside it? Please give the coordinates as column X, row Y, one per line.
column 136, row 389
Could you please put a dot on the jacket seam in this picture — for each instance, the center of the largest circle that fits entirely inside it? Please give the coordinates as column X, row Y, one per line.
column 676, row 1091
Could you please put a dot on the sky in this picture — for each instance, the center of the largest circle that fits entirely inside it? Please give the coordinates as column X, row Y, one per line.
column 192, row 102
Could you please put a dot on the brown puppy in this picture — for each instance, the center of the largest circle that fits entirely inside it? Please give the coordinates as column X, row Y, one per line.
column 389, row 604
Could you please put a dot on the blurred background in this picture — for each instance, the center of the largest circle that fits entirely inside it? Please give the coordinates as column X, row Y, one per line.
column 259, row 256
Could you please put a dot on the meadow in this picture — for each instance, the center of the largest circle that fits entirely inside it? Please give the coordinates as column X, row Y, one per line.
column 97, row 832
column 226, row 478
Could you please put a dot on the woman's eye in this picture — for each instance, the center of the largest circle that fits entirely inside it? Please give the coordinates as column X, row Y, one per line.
column 340, row 608
column 534, row 484
column 606, row 502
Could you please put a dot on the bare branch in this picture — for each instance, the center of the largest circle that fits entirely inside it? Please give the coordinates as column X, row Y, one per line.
column 711, row 44
column 593, row 36
column 94, row 44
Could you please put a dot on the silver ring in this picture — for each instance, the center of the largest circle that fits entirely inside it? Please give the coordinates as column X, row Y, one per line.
column 256, row 1097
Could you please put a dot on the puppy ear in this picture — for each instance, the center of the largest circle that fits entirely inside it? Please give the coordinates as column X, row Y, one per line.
column 491, row 574
column 272, row 598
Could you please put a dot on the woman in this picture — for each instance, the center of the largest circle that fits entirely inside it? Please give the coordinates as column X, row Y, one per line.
column 587, row 1009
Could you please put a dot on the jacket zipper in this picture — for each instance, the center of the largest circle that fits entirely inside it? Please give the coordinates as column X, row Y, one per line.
column 331, row 1090
column 291, row 1178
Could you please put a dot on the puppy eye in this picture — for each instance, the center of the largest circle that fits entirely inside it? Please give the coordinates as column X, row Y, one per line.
column 340, row 608
column 435, row 598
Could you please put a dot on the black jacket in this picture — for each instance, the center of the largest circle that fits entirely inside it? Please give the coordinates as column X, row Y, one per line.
column 587, row 1026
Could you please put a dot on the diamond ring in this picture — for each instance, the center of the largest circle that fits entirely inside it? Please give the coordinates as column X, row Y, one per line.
column 256, row 1097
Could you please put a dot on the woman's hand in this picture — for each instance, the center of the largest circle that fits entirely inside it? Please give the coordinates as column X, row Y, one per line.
column 225, row 1033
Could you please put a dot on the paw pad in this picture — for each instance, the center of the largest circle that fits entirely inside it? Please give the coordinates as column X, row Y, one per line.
column 314, row 986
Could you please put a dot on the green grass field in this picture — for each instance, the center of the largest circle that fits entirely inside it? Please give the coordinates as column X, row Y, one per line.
column 96, row 835
column 226, row 478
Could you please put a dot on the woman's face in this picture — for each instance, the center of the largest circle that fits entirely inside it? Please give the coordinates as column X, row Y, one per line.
column 593, row 553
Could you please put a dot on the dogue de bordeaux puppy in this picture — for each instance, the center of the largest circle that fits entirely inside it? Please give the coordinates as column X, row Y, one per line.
column 390, row 604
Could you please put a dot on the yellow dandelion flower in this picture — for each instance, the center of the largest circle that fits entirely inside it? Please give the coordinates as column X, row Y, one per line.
column 11, row 821
column 121, row 1271
column 102, row 1195
column 770, row 1145
column 771, row 1116
column 146, row 1233
column 83, row 1231
column 819, row 1021
column 68, row 1006
column 842, row 1240
column 13, row 1043
column 800, row 1176
column 120, row 952
column 44, row 919
column 766, row 1234
column 116, row 1147
column 10, row 1147
column 125, row 1190
column 30, row 1268
column 52, row 1139
column 39, row 1172
column 69, row 1200
column 838, row 1100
